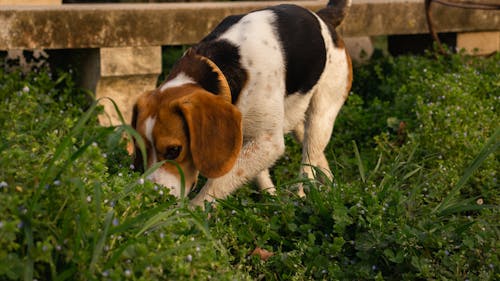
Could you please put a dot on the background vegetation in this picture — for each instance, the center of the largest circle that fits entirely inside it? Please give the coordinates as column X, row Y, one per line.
column 415, row 196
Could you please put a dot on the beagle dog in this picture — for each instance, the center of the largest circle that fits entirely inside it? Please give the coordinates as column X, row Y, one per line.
column 227, row 103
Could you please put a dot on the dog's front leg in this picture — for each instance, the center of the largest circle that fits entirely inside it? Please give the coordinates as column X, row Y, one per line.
column 263, row 180
column 256, row 155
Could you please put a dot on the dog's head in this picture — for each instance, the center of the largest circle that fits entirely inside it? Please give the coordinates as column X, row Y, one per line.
column 199, row 130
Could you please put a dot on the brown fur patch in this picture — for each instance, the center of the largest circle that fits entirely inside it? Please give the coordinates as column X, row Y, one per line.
column 240, row 173
column 349, row 76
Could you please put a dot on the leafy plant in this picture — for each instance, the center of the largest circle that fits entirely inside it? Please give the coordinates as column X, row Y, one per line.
column 414, row 196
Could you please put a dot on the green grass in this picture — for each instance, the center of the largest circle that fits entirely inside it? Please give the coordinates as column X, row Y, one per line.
column 414, row 197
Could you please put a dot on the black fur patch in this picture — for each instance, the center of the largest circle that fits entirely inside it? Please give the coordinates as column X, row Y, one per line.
column 227, row 57
column 222, row 27
column 303, row 45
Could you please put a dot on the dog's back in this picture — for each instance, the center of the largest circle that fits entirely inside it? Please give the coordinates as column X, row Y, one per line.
column 265, row 54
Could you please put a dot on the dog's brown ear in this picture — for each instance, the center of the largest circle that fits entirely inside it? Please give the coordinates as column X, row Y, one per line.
column 214, row 131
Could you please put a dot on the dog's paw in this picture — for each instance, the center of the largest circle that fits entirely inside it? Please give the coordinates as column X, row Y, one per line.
column 202, row 202
column 300, row 190
column 269, row 190
column 194, row 203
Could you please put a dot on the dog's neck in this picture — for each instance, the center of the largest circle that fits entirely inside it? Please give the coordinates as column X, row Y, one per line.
column 204, row 72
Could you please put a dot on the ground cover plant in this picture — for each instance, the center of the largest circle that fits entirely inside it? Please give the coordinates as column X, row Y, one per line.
column 414, row 197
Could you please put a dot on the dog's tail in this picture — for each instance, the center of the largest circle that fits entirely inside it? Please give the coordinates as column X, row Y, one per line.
column 334, row 12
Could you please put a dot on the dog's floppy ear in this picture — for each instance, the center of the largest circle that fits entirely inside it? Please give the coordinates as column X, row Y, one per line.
column 214, row 131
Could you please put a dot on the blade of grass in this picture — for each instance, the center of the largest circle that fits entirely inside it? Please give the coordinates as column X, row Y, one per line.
column 411, row 173
column 133, row 185
column 130, row 131
column 490, row 147
column 82, row 217
column 97, row 199
column 167, row 217
column 99, row 246
column 139, row 219
column 30, row 263
column 117, row 110
column 361, row 167
column 377, row 166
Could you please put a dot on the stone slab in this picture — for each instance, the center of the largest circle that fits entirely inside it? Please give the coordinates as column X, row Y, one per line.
column 139, row 25
column 30, row 2
column 479, row 43
column 125, row 61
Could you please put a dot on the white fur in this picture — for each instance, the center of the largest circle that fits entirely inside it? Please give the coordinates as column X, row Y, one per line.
column 179, row 80
column 266, row 77
column 168, row 180
column 150, row 124
column 267, row 115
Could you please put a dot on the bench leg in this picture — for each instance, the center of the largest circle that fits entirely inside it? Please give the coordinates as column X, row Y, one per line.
column 124, row 74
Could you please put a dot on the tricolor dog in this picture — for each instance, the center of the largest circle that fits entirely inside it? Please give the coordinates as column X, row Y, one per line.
column 227, row 103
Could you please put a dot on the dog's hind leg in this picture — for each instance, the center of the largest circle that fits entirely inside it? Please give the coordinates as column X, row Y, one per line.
column 298, row 132
column 319, row 123
column 320, row 118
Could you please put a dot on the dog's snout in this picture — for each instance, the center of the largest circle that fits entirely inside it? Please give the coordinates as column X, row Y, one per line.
column 167, row 180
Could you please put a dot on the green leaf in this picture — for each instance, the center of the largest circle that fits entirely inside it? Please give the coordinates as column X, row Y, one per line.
column 361, row 167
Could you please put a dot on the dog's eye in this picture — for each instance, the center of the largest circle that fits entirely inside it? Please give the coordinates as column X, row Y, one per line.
column 172, row 152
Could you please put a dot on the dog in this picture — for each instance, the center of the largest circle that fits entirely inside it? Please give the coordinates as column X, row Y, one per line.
column 225, row 107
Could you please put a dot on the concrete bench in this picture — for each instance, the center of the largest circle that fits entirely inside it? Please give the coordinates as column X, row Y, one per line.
column 119, row 45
